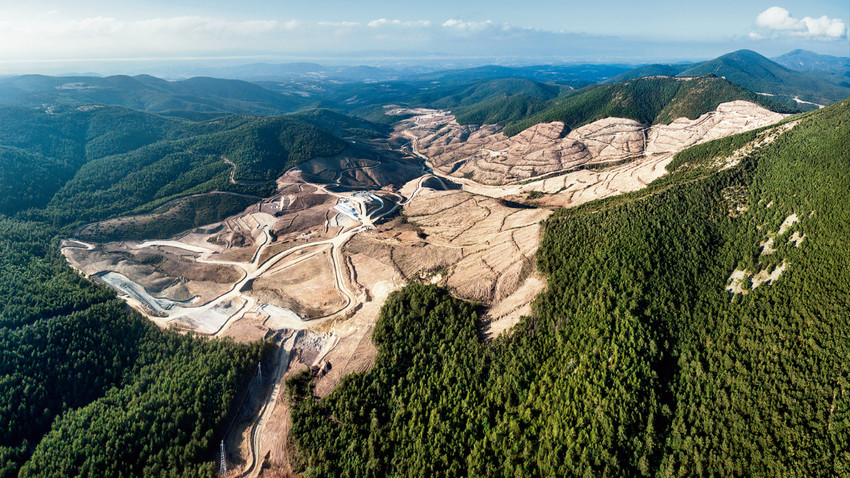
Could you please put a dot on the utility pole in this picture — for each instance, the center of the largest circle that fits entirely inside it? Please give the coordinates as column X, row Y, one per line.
column 222, row 469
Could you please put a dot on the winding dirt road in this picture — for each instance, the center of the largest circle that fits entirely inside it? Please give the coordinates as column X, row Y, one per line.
column 258, row 427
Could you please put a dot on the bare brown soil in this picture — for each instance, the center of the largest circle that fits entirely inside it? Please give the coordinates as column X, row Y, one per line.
column 302, row 288
column 164, row 272
column 293, row 262
column 480, row 248
column 484, row 154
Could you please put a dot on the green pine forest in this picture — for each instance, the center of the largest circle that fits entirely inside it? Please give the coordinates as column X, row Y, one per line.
column 91, row 388
column 636, row 360
column 80, row 165
column 84, row 378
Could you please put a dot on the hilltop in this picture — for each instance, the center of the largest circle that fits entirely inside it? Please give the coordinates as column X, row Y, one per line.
column 89, row 163
column 641, row 336
column 756, row 73
column 649, row 101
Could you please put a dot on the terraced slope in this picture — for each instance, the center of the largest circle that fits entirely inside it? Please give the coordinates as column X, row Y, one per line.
column 486, row 155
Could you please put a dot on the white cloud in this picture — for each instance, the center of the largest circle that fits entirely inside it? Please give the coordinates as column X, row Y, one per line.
column 823, row 26
column 59, row 37
column 777, row 20
column 43, row 36
column 461, row 25
column 338, row 24
column 381, row 22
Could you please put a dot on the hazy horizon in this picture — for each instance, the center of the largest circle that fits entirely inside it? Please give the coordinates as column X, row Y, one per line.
column 103, row 38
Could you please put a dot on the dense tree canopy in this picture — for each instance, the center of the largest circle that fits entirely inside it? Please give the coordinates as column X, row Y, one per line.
column 637, row 359
column 68, row 350
column 647, row 100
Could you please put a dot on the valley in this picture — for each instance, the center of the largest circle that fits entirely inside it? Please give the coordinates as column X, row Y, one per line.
column 311, row 266
column 274, row 240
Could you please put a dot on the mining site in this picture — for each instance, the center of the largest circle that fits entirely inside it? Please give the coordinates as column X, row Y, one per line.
column 310, row 266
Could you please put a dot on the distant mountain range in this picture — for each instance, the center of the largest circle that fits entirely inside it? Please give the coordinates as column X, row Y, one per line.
column 758, row 74
column 306, row 71
column 833, row 69
column 805, row 60
column 148, row 93
column 357, row 90
column 487, row 94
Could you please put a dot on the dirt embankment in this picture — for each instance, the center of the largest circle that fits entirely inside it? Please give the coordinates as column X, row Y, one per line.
column 604, row 158
column 486, row 155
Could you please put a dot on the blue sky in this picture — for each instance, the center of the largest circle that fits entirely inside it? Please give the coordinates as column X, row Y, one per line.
column 506, row 31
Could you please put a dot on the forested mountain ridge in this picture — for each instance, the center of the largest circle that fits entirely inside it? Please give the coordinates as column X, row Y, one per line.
column 261, row 150
column 647, row 100
column 637, row 360
column 82, row 374
column 148, row 93
column 500, row 101
column 756, row 73
column 657, row 69
column 202, row 98
column 90, row 162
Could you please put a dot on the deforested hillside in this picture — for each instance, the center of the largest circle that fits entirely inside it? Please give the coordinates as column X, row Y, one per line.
column 542, row 157
column 697, row 326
